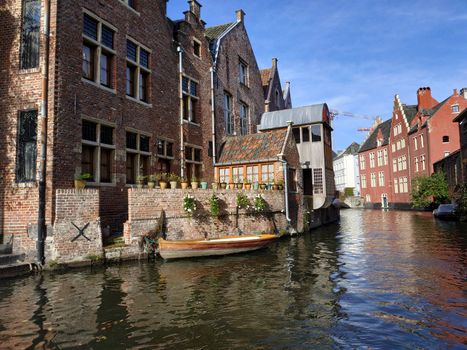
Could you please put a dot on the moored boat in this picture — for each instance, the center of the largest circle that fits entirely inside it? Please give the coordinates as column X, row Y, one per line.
column 216, row 246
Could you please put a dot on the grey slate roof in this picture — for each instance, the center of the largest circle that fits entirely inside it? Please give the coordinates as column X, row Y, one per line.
column 410, row 112
column 352, row 149
column 213, row 33
column 299, row 116
column 370, row 142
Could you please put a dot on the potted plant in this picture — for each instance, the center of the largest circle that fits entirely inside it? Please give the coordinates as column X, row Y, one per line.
column 247, row 184
column 280, row 184
column 140, row 180
column 163, row 180
column 255, row 185
column 173, row 180
column 184, row 183
column 194, row 182
column 262, row 186
column 242, row 201
column 270, row 183
column 189, row 204
column 81, row 179
column 152, row 180
column 204, row 184
column 231, row 185
column 259, row 204
column 223, row 185
column 214, row 205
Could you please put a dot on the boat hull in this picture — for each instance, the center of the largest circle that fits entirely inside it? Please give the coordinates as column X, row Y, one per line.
column 213, row 247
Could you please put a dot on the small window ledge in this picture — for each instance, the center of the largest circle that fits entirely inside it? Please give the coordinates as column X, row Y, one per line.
column 145, row 104
column 93, row 83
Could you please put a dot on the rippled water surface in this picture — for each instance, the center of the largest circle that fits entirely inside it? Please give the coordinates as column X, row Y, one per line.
column 379, row 280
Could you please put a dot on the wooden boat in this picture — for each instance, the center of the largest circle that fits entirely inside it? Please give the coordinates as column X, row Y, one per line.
column 216, row 246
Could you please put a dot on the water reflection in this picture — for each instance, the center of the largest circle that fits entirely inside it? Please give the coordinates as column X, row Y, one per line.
column 379, row 279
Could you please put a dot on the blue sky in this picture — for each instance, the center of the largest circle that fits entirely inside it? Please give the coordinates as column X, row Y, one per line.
column 354, row 55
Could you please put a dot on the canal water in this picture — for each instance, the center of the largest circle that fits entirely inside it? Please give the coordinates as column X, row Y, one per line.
column 379, row 280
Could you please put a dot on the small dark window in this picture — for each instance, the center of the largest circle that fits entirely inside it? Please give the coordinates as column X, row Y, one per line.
column 445, row 139
column 316, row 133
column 90, row 27
column 26, row 147
column 185, row 83
column 306, row 134
column 30, row 34
column 106, row 165
column 106, row 64
column 144, row 143
column 193, row 88
column 296, row 134
column 160, row 148
column 144, row 58
column 89, row 131
column 131, row 50
column 131, row 140
column 107, row 135
column 89, row 54
column 189, row 153
column 143, row 86
column 107, row 37
column 197, row 155
column 169, row 149
column 196, row 48
column 130, row 80
column 132, row 4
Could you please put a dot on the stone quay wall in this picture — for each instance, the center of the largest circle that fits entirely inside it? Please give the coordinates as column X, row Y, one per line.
column 78, row 208
column 145, row 207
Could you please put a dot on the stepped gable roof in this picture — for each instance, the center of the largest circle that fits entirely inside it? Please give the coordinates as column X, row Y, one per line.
column 370, row 142
column 253, row 147
column 213, row 33
column 350, row 150
column 299, row 116
column 265, row 75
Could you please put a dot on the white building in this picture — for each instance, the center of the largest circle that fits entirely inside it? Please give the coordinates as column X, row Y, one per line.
column 346, row 174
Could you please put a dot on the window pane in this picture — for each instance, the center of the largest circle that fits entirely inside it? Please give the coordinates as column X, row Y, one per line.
column 130, row 80
column 144, row 143
column 131, row 50
column 105, row 69
column 144, row 165
column 316, row 133
column 30, row 34
column 90, row 27
column 197, row 155
column 296, row 134
column 185, row 83
column 193, row 88
column 107, row 135
column 88, row 61
column 188, row 153
column 306, row 134
column 131, row 138
column 107, row 37
column 106, row 165
column 89, row 131
column 169, row 149
column 160, row 147
column 143, row 87
column 144, row 58
column 26, row 147
column 87, row 160
column 130, row 168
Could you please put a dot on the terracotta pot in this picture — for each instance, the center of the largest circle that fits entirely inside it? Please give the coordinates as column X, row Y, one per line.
column 262, row 186
column 194, row 185
column 184, row 185
column 215, row 185
column 173, row 184
column 223, row 185
column 247, row 186
column 239, row 186
column 80, row 184
column 280, row 187
column 163, row 185
column 275, row 187
column 231, row 186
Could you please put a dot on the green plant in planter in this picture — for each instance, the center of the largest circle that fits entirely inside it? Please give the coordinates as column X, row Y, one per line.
column 242, row 201
column 83, row 177
column 214, row 205
column 189, row 204
column 259, row 204
column 140, row 180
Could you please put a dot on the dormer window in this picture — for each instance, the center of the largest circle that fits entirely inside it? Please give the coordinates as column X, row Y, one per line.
column 455, row 108
column 379, row 142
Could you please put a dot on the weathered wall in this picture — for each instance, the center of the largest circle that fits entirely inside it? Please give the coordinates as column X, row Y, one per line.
column 145, row 207
column 81, row 208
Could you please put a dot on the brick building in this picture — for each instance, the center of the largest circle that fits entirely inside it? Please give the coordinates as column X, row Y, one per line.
column 374, row 166
column 129, row 94
column 461, row 119
column 419, row 136
column 274, row 97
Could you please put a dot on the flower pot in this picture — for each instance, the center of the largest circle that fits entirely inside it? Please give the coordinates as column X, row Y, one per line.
column 247, row 186
column 262, row 186
column 139, row 185
column 194, row 185
column 184, row 185
column 256, row 186
column 239, row 186
column 269, row 187
column 151, row 184
column 204, row 185
column 173, row 184
column 163, row 185
column 80, row 184
column 231, row 186
column 280, row 187
column 223, row 185
column 275, row 187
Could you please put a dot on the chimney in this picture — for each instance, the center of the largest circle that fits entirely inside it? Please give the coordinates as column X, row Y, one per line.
column 464, row 93
column 195, row 8
column 274, row 62
column 454, row 92
column 240, row 15
column 424, row 99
